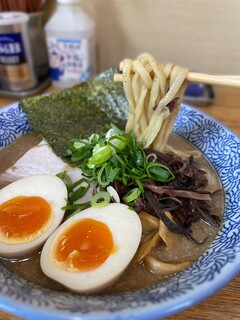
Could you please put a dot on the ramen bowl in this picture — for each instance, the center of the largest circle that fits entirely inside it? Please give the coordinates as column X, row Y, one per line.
column 214, row 269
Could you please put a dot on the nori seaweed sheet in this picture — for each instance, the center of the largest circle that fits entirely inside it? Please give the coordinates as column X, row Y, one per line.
column 77, row 112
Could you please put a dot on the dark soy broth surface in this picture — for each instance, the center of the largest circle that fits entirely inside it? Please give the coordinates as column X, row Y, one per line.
column 135, row 276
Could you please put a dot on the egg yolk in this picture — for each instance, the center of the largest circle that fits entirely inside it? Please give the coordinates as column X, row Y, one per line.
column 84, row 246
column 21, row 218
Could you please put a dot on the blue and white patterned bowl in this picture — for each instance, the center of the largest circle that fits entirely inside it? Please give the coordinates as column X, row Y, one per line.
column 214, row 269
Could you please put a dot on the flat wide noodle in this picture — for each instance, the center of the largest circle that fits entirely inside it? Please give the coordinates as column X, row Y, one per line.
column 150, row 89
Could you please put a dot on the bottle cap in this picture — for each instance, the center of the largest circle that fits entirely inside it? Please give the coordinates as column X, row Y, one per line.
column 69, row 1
column 11, row 18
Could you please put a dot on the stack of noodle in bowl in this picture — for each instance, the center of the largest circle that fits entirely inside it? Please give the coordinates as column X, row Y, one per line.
column 154, row 93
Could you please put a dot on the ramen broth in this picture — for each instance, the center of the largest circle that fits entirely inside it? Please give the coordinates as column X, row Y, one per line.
column 136, row 276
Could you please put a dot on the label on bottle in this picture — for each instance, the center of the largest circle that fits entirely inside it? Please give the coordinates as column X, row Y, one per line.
column 15, row 71
column 71, row 60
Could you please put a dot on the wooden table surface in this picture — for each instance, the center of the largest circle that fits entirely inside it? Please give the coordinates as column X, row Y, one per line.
column 225, row 304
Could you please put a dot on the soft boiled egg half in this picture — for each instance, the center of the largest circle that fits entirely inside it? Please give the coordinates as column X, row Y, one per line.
column 30, row 210
column 92, row 248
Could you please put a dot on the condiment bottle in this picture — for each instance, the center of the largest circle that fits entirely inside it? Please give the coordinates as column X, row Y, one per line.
column 71, row 44
column 16, row 63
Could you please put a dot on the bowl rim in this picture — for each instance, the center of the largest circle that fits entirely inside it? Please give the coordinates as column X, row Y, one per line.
column 153, row 310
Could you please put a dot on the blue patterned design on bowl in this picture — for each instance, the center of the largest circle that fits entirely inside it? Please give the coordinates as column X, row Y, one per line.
column 215, row 268
column 13, row 123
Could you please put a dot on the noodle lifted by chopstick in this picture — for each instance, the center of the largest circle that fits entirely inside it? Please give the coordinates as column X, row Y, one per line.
column 154, row 93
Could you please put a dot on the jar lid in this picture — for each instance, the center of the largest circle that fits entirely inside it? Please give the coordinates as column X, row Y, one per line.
column 12, row 17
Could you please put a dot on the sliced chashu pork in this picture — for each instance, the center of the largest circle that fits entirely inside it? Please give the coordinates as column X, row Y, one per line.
column 41, row 160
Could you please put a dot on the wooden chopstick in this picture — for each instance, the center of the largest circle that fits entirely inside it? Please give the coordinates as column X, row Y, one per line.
column 221, row 80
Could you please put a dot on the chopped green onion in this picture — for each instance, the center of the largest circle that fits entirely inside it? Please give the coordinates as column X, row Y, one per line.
column 117, row 142
column 116, row 129
column 65, row 178
column 74, row 185
column 117, row 160
column 102, row 179
column 137, row 172
column 100, row 199
column 151, row 157
column 79, row 144
column 140, row 158
column 93, row 137
column 110, row 133
column 68, row 153
column 111, row 172
column 159, row 172
column 140, row 186
column 79, row 193
column 132, row 195
column 96, row 148
column 113, row 193
column 76, row 191
column 115, row 156
column 74, row 208
column 101, row 155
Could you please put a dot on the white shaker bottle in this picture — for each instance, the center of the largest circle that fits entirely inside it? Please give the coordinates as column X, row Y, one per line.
column 71, row 44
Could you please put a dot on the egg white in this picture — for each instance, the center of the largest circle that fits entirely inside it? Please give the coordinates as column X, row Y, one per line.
column 126, row 230
column 48, row 187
